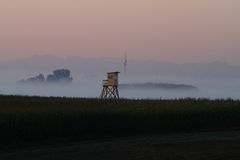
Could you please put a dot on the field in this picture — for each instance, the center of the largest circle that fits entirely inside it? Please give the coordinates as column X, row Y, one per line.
column 29, row 121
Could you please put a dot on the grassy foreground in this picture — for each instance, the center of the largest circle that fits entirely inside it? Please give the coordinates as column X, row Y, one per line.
column 34, row 119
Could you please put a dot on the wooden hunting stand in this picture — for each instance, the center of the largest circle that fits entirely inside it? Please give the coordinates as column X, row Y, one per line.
column 110, row 86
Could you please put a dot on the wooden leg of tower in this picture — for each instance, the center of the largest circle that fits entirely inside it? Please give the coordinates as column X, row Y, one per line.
column 113, row 92
column 101, row 95
column 109, row 92
column 104, row 93
column 117, row 93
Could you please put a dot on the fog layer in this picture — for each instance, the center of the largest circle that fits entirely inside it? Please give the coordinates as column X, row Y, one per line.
column 213, row 80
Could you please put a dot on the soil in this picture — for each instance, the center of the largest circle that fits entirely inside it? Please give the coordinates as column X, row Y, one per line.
column 191, row 146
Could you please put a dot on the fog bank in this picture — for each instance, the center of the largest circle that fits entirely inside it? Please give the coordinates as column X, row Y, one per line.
column 213, row 80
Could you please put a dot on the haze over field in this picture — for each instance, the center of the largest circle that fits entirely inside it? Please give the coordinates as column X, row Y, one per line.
column 213, row 80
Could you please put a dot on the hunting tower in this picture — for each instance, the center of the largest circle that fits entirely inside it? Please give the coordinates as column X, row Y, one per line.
column 110, row 86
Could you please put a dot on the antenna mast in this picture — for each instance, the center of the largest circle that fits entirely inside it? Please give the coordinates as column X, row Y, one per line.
column 125, row 62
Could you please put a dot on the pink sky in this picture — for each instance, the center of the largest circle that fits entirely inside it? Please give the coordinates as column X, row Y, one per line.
column 166, row 30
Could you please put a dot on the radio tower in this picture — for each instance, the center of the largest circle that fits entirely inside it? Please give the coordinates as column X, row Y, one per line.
column 125, row 62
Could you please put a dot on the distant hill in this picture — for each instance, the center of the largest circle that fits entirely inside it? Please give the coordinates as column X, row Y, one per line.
column 165, row 86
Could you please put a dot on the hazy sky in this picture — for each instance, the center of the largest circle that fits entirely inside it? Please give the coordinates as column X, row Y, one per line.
column 166, row 30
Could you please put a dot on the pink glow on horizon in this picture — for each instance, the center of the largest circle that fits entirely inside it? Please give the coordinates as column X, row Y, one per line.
column 175, row 31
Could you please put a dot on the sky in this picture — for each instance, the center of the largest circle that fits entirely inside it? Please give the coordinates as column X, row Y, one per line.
column 186, row 31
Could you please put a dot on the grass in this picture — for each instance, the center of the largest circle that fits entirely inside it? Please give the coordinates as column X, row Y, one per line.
column 35, row 119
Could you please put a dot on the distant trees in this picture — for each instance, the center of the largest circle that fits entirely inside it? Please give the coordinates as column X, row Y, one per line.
column 38, row 79
column 59, row 75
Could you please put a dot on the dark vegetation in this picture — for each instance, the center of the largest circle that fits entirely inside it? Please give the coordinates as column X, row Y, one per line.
column 59, row 75
column 167, row 86
column 26, row 120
